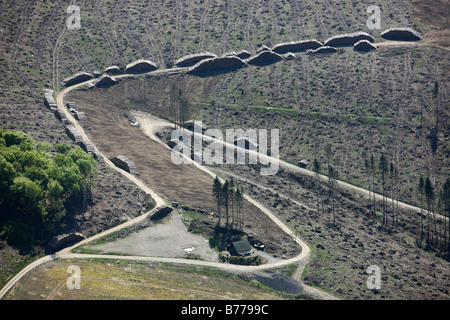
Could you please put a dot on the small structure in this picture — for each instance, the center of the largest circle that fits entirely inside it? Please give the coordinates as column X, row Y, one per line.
column 296, row 46
column 49, row 101
column 243, row 54
column 73, row 133
column 160, row 213
column 87, row 146
column 348, row 39
column 191, row 59
column 401, row 34
column 112, row 70
column 264, row 57
column 76, row 78
column 126, row 164
column 141, row 66
column 242, row 248
column 364, row 46
column 99, row 157
column 72, row 106
column 195, row 125
column 105, row 81
column 80, row 116
column 60, row 240
column 303, row 163
column 262, row 49
column 289, row 56
column 230, row 53
column 221, row 64
column 188, row 249
column 324, row 49
column 60, row 115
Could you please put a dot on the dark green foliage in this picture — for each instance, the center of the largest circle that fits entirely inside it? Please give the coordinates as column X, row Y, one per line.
column 35, row 187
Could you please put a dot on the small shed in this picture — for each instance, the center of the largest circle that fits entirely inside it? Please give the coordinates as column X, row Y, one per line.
column 49, row 101
column 160, row 213
column 73, row 133
column 242, row 247
column 243, row 54
column 60, row 115
column 63, row 239
column 303, row 163
column 87, row 146
column 72, row 106
column 76, row 78
column 80, row 116
column 99, row 157
column 105, row 81
column 125, row 164
column 112, row 70
column 141, row 66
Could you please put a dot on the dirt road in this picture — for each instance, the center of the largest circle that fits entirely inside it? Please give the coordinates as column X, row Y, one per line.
column 149, row 128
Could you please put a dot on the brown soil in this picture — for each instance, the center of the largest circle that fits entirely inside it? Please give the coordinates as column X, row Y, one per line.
column 111, row 132
column 434, row 15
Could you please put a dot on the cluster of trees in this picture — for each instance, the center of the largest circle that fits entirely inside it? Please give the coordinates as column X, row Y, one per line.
column 389, row 175
column 179, row 106
column 230, row 197
column 434, row 221
column 436, row 238
column 333, row 175
column 36, row 188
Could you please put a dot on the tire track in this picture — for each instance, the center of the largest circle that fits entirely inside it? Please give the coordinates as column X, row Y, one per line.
column 273, row 23
column 226, row 38
column 339, row 14
column 203, row 24
column 322, row 28
column 105, row 31
column 179, row 16
column 296, row 14
column 151, row 31
column 13, row 57
column 20, row 26
column 247, row 27
column 55, row 59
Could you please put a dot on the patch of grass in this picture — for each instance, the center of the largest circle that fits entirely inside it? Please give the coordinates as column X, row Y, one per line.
column 117, row 279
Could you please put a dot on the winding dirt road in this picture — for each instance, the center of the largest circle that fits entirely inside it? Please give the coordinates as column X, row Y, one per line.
column 149, row 128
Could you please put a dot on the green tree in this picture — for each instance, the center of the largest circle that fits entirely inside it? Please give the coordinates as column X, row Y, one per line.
column 372, row 169
column 55, row 205
column 367, row 171
column 7, row 175
column 217, row 193
column 421, row 189
column 383, row 167
column 332, row 176
column 44, row 148
column 35, row 187
column 240, row 204
column 231, row 196
column 429, row 194
column 18, row 138
column 446, row 208
column 225, row 200
column 317, row 168
column 62, row 148
column 27, row 197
